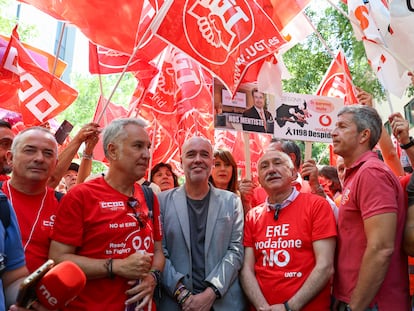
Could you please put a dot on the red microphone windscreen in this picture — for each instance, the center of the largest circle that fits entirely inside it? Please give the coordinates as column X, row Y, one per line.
column 60, row 285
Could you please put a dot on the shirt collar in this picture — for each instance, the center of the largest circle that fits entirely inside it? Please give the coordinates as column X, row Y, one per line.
column 361, row 160
column 259, row 110
column 285, row 203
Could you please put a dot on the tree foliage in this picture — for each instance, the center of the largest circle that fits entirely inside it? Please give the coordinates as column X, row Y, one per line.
column 88, row 86
column 309, row 61
column 8, row 21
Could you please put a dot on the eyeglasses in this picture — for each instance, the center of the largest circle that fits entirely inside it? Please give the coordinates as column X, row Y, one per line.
column 133, row 203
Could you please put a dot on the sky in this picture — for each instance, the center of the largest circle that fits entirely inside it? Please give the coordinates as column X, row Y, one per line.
column 45, row 38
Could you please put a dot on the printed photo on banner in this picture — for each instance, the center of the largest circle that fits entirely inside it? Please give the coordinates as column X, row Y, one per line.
column 306, row 117
column 249, row 110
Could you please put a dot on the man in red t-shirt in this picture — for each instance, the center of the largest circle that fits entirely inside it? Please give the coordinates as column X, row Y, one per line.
column 33, row 156
column 289, row 243
column 371, row 267
column 106, row 228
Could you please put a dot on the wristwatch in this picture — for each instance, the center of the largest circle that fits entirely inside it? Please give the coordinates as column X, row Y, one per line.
column 407, row 145
column 348, row 308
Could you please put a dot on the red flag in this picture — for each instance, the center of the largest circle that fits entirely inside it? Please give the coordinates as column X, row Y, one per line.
column 41, row 95
column 180, row 107
column 118, row 25
column 332, row 156
column 283, row 11
column 42, row 58
column 106, row 61
column 224, row 38
column 338, row 81
column 112, row 112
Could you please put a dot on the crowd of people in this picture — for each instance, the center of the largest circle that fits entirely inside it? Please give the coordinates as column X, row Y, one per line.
column 302, row 238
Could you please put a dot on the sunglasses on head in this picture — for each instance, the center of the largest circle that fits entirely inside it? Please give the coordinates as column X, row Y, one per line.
column 133, row 203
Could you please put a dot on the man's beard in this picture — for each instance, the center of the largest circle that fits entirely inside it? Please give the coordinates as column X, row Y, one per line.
column 7, row 169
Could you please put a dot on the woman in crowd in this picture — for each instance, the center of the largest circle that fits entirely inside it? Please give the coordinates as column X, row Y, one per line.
column 224, row 173
column 328, row 178
column 163, row 175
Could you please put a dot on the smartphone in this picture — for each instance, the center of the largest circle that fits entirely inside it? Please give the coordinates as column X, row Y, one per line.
column 27, row 290
column 63, row 131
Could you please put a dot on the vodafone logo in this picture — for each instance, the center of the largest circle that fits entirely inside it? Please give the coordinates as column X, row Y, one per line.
column 325, row 120
column 209, row 27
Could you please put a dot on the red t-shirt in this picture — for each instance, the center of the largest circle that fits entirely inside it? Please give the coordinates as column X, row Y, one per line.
column 35, row 214
column 370, row 189
column 95, row 218
column 283, row 248
column 404, row 180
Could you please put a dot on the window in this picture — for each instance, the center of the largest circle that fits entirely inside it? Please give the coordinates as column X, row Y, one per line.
column 409, row 112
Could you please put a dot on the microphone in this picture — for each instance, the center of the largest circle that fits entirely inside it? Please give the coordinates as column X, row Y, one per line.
column 60, row 285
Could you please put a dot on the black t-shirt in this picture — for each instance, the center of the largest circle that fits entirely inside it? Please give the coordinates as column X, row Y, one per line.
column 197, row 214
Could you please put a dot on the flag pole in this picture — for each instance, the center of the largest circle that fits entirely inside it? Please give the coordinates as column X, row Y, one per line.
column 247, row 160
column 117, row 84
column 152, row 149
column 156, row 19
column 325, row 44
column 137, row 103
column 62, row 31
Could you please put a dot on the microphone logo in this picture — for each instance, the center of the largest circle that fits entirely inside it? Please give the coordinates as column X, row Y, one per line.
column 42, row 290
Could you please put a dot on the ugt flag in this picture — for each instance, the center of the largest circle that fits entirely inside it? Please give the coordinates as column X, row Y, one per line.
column 224, row 36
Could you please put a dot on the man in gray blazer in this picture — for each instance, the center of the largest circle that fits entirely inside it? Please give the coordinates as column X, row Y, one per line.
column 203, row 233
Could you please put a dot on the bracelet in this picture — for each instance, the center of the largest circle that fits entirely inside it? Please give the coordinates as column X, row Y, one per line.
column 407, row 145
column 108, row 265
column 183, row 299
column 215, row 290
column 179, row 290
column 182, row 295
column 87, row 156
column 156, row 274
column 287, row 308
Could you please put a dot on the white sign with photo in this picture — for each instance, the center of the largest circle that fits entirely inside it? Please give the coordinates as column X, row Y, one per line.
column 306, row 117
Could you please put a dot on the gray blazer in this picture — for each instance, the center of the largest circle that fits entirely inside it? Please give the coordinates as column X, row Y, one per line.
column 223, row 247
